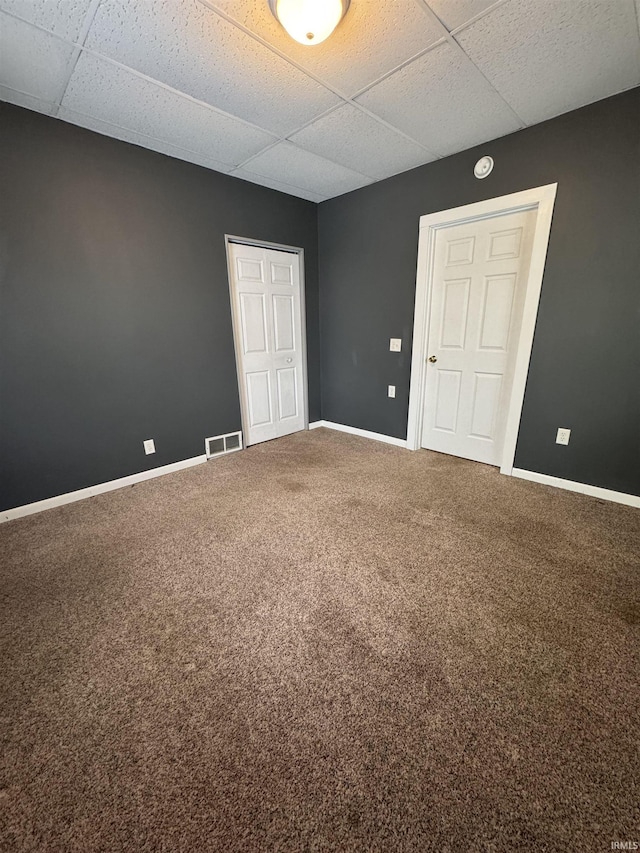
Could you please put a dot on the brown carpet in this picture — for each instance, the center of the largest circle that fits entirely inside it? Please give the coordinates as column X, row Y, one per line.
column 322, row 644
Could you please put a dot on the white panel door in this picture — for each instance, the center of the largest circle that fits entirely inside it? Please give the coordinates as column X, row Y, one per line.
column 479, row 279
column 265, row 289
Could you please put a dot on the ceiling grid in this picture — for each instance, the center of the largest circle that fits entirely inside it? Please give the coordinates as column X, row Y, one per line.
column 398, row 84
column 78, row 44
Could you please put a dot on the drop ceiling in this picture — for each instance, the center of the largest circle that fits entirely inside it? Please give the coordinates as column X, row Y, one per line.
column 400, row 83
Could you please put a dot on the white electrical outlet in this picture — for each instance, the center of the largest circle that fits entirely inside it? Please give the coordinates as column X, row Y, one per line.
column 392, row 390
column 395, row 344
column 149, row 446
column 562, row 436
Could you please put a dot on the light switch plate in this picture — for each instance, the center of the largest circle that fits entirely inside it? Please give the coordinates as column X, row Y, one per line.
column 149, row 446
column 563, row 435
column 395, row 344
column 392, row 391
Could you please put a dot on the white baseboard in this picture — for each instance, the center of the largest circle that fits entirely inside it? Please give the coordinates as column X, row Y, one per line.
column 583, row 488
column 132, row 479
column 363, row 433
column 81, row 494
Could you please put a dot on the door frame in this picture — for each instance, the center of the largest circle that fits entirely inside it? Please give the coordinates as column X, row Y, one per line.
column 540, row 199
column 235, row 322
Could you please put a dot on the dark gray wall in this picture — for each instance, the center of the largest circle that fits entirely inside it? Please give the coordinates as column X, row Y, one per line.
column 115, row 321
column 585, row 367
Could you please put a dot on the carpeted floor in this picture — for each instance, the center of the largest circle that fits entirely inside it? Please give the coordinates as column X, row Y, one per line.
column 322, row 643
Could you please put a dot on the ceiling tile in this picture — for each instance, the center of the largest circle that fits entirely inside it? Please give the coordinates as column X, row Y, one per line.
column 26, row 101
column 442, row 101
column 355, row 140
column 139, row 139
column 291, row 165
column 191, row 48
column 246, row 175
column 137, row 104
column 454, row 13
column 62, row 17
column 373, row 39
column 548, row 57
column 31, row 61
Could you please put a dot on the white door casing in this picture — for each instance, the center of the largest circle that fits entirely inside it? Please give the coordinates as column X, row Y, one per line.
column 480, row 271
column 540, row 202
column 266, row 298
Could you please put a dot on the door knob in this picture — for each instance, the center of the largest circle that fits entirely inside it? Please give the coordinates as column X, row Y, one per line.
column 432, row 359
column 289, row 360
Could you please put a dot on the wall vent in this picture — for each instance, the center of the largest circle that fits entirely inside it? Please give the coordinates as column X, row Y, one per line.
column 220, row 444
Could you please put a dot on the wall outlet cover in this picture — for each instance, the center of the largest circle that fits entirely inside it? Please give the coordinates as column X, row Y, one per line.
column 563, row 435
column 392, row 391
column 395, row 344
column 149, row 446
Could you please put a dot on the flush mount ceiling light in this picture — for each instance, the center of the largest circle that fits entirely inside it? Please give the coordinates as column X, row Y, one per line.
column 309, row 21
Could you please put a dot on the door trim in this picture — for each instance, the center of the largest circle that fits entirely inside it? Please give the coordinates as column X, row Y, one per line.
column 235, row 320
column 540, row 199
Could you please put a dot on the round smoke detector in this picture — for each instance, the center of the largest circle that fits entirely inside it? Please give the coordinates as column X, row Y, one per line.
column 483, row 167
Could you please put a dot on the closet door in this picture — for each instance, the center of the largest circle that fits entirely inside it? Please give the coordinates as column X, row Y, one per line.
column 265, row 289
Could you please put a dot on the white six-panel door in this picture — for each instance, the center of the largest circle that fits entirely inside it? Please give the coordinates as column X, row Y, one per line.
column 479, row 279
column 265, row 290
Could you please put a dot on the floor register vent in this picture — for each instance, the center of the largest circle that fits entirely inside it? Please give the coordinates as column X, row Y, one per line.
column 220, row 444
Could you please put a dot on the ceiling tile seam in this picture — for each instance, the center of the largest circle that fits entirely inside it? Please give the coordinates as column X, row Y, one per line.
column 84, row 49
column 219, row 167
column 43, row 101
column 275, row 181
column 245, row 164
column 488, row 82
column 435, row 19
column 179, row 93
column 348, row 99
column 214, row 165
column 319, row 157
column 242, row 164
column 75, row 45
column 399, row 67
column 435, row 155
column 225, row 15
column 278, row 137
column 34, row 26
column 475, row 18
column 637, row 10
column 80, row 48
column 372, row 115
column 458, row 47
column 72, row 61
column 368, row 113
column 313, row 120
column 78, row 45
column 307, row 150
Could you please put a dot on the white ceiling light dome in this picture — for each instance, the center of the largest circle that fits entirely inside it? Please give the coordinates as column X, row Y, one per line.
column 309, row 21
